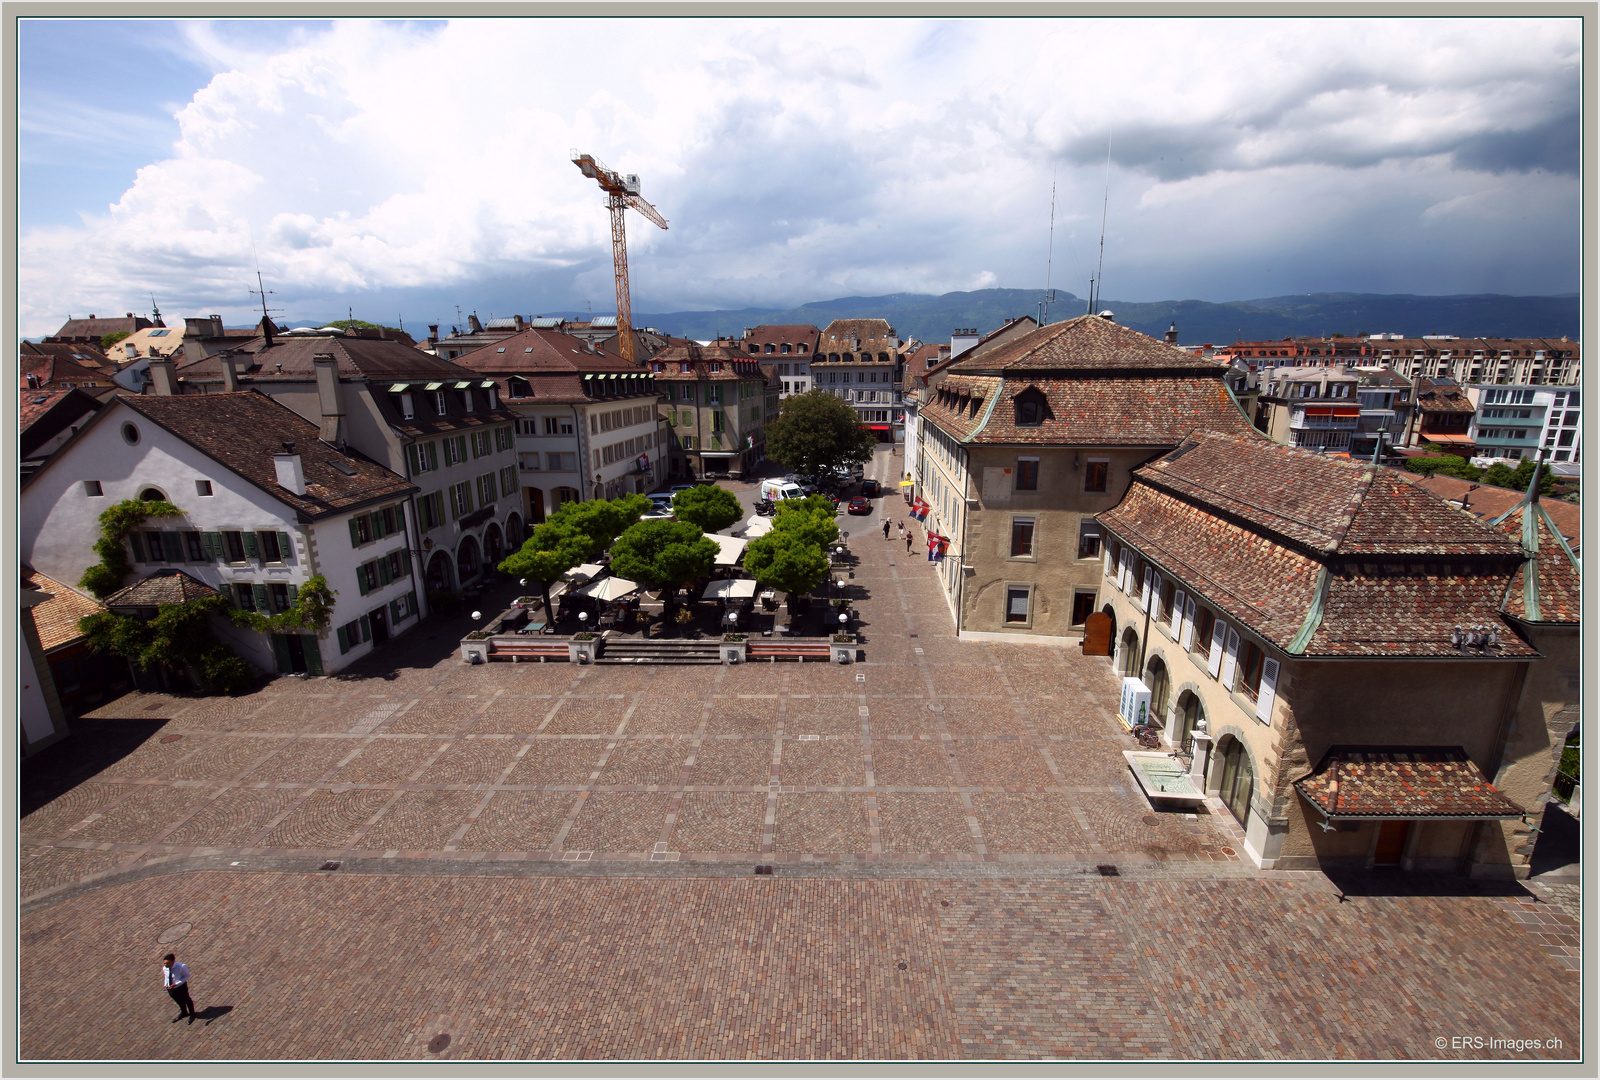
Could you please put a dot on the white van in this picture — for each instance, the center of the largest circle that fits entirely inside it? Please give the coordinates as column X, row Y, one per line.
column 778, row 490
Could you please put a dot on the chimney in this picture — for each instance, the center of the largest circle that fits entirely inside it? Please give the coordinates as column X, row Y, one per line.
column 474, row 325
column 330, row 397
column 265, row 327
column 230, row 374
column 291, row 473
column 962, row 339
column 129, row 315
column 1172, row 334
column 433, row 333
column 162, row 379
column 519, row 323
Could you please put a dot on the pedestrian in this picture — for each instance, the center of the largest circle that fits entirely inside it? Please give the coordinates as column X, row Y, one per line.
column 909, row 538
column 886, row 528
column 902, row 527
column 175, row 977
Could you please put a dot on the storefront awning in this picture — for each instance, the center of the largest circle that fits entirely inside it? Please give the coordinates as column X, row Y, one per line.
column 1343, row 411
column 1402, row 782
column 880, row 427
column 1454, row 440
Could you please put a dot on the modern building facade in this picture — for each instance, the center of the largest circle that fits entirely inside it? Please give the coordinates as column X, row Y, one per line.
column 1503, row 361
column 1516, row 422
column 1334, row 409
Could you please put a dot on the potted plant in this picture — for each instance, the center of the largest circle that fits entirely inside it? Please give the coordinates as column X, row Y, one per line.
column 583, row 647
column 842, row 649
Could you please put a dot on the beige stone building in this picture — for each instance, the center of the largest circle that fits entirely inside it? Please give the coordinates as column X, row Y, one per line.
column 1361, row 671
column 1021, row 446
column 717, row 402
column 859, row 360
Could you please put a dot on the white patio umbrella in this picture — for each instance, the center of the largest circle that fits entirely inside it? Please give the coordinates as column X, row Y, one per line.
column 757, row 526
column 729, row 548
column 737, row 589
column 586, row 571
column 609, row 589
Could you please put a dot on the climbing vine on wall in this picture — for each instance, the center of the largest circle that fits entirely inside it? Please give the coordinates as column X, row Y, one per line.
column 116, row 522
column 179, row 638
column 312, row 610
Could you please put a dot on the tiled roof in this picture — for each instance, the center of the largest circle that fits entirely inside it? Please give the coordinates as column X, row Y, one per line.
column 36, row 403
column 735, row 364
column 921, row 359
column 46, row 413
column 98, row 328
column 1403, row 782
column 1441, row 396
column 60, row 371
column 1319, row 556
column 162, row 587
column 867, row 330
column 89, row 355
column 57, row 618
column 1089, row 409
column 1557, row 595
column 1087, row 342
column 244, row 430
column 539, row 350
column 357, row 357
column 1486, row 502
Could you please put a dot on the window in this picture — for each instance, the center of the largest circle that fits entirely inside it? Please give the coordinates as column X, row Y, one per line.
column 502, row 439
column 1096, row 472
column 1022, row 538
column 441, row 406
column 1088, row 538
column 430, row 508
column 91, row 488
column 423, row 457
column 408, row 407
column 151, row 495
column 267, row 542
column 716, row 368
column 233, row 546
column 1163, row 608
column 1250, row 658
column 563, row 462
column 1027, row 474
column 687, row 391
column 508, row 480
column 461, row 499
column 486, row 489
column 1204, row 621
column 360, row 530
column 278, row 595
column 480, row 444
column 197, row 551
column 1017, row 597
column 244, row 596
column 202, row 487
column 1082, row 607
column 130, row 434
column 466, row 401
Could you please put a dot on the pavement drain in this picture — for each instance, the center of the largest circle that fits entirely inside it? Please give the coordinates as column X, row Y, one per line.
column 1151, row 820
column 331, row 864
column 577, row 856
column 152, row 707
column 174, row 934
column 438, row 1043
column 1108, row 870
column 901, row 965
column 935, row 706
column 944, row 903
column 918, row 650
column 170, row 738
column 809, row 738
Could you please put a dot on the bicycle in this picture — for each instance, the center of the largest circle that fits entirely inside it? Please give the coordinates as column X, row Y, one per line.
column 1147, row 736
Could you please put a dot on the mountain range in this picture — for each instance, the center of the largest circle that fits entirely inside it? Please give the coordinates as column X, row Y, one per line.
column 931, row 318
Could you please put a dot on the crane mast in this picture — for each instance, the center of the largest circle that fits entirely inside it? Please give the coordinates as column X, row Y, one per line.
column 622, row 193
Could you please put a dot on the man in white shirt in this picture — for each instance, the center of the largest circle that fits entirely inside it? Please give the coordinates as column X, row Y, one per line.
column 175, row 977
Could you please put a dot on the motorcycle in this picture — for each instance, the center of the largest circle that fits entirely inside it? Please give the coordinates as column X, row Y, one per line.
column 766, row 507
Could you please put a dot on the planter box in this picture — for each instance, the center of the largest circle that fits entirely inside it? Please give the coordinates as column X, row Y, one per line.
column 583, row 652
column 842, row 652
column 475, row 652
column 732, row 652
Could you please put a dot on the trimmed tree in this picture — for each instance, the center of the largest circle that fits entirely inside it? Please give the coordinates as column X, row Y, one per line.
column 1448, row 464
column 574, row 534
column 707, row 506
column 784, row 560
column 662, row 554
column 816, row 432
column 810, row 519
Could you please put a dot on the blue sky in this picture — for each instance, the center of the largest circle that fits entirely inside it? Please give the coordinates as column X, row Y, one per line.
column 405, row 169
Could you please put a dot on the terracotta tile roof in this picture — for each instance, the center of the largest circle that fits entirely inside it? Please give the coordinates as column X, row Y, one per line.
column 1087, row 342
column 871, row 331
column 1558, row 593
column 1486, row 502
column 162, row 587
column 90, row 356
column 542, row 351
column 1316, row 555
column 357, row 358
column 736, row 365
column 46, row 413
column 1441, row 396
column 790, row 334
column 243, row 431
column 95, row 329
column 1403, row 782
column 52, row 371
column 57, row 618
column 919, row 360
column 37, row 403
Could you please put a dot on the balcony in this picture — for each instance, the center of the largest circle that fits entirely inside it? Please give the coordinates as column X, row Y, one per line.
column 1326, row 418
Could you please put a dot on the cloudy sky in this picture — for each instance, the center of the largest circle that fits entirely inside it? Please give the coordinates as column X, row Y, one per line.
column 407, row 169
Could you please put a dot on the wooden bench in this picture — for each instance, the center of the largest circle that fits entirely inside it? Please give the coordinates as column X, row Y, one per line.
column 776, row 650
column 516, row 651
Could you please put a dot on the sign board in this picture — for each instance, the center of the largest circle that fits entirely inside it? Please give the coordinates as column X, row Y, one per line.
column 1134, row 708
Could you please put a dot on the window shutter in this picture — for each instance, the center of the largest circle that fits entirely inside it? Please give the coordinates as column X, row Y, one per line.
column 263, row 605
column 411, row 601
column 1230, row 660
column 1125, row 570
column 366, row 629
column 383, row 572
column 137, row 544
column 394, row 612
column 294, row 591
column 377, row 525
column 1186, row 636
column 280, row 650
column 172, row 543
column 1219, row 633
column 344, row 641
column 412, row 460
column 1146, row 589
column 1268, row 691
column 355, row 537
column 313, row 654
column 1108, row 561
column 454, row 510
column 1177, row 612
column 252, row 550
column 285, row 547
column 433, row 456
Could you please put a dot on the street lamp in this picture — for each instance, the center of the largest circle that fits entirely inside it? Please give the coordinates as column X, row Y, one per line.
column 476, row 615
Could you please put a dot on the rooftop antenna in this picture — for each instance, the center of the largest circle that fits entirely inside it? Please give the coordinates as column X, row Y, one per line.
column 262, row 291
column 1049, row 293
column 1099, row 270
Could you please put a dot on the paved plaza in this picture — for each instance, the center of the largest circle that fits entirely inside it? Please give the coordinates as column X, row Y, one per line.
column 550, row 860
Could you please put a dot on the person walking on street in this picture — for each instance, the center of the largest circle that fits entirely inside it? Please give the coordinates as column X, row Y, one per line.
column 886, row 528
column 909, row 538
column 902, row 527
column 175, row 977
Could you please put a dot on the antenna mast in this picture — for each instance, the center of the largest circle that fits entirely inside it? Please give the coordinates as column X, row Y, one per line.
column 1099, row 270
column 1049, row 262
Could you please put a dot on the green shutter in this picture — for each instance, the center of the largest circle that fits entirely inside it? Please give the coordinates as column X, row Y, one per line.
column 313, row 654
column 285, row 547
column 411, row 602
column 433, row 456
column 294, row 591
column 366, row 629
column 212, row 543
column 383, row 571
column 454, row 507
column 263, row 605
column 394, row 612
column 137, row 544
column 252, row 550
column 361, row 578
column 172, row 545
column 344, row 641
column 355, row 537
column 280, row 650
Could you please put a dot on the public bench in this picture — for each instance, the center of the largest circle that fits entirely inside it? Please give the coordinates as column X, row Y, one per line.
column 533, row 649
column 775, row 649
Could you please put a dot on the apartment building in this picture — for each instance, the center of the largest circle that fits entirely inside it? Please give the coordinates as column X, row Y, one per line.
column 789, row 348
column 1516, row 422
column 717, row 400
column 587, row 422
column 858, row 360
column 1540, row 361
column 1442, row 416
column 1334, row 409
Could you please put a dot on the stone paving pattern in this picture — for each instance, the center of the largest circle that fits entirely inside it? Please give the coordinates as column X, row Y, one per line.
column 937, row 757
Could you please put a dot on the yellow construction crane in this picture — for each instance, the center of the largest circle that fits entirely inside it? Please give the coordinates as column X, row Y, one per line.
column 622, row 192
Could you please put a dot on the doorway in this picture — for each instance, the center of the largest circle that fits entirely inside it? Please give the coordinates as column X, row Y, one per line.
column 379, row 619
column 1238, row 781
column 1391, row 843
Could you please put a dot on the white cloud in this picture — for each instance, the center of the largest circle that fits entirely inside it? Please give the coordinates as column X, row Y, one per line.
column 804, row 159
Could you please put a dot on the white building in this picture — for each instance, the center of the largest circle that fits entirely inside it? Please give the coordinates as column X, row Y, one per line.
column 1516, row 422
column 266, row 506
column 789, row 348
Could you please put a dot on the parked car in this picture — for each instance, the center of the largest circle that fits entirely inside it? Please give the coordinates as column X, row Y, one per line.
column 869, row 488
column 858, row 505
column 662, row 500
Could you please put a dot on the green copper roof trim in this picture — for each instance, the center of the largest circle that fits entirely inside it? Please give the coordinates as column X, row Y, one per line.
column 994, row 399
column 1313, row 617
column 1562, row 540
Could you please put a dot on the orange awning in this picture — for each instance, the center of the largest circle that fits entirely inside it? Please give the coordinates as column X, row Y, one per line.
column 1464, row 440
column 1346, row 412
column 1319, row 412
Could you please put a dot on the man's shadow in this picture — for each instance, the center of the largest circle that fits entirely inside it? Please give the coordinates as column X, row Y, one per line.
column 213, row 1012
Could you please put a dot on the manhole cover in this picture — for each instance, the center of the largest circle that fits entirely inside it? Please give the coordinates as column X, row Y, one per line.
column 944, row 903
column 174, row 933
column 935, row 706
column 152, row 708
column 171, row 738
column 438, row 1043
column 1151, row 819
column 1228, row 851
column 901, row 965
column 1107, row 870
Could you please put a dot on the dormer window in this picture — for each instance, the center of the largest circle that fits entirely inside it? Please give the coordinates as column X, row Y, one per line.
column 656, row 367
column 1030, row 407
column 441, row 404
column 517, row 387
column 683, row 369
column 716, row 368
column 408, row 406
column 494, row 397
column 466, row 401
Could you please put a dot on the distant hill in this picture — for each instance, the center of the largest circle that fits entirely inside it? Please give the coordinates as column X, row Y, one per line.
column 931, row 318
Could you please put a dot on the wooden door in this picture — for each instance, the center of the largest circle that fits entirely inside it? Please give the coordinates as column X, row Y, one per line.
column 1391, row 843
column 1097, row 635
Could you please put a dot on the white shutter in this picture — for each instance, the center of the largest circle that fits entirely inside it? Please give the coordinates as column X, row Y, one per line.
column 1186, row 637
column 1177, row 613
column 1126, row 570
column 1230, row 661
column 1146, row 588
column 1219, row 634
column 1108, row 561
column 1269, row 688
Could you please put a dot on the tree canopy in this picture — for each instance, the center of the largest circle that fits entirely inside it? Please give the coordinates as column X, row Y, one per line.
column 810, row 519
column 108, row 340
column 661, row 554
column 707, row 506
column 785, row 560
column 1447, row 464
column 574, row 534
column 179, row 638
column 816, row 432
column 1500, row 475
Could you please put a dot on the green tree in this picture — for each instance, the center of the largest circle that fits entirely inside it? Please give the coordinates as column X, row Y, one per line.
column 116, row 521
column 710, row 507
column 810, row 520
column 816, row 432
column 108, row 340
column 1502, row 475
column 1448, row 464
column 784, row 560
column 576, row 533
column 179, row 638
column 661, row 554
column 362, row 324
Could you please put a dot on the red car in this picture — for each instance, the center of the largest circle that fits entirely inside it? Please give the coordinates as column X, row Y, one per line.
column 858, row 505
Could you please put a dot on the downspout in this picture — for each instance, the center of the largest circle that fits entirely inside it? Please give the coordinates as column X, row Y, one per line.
column 415, row 553
column 583, row 453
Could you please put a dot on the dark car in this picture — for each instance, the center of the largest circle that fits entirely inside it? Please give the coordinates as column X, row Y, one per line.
column 858, row 505
column 869, row 488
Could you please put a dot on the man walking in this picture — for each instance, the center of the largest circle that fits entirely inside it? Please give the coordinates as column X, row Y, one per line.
column 175, row 977
column 902, row 526
column 909, row 538
column 886, row 528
